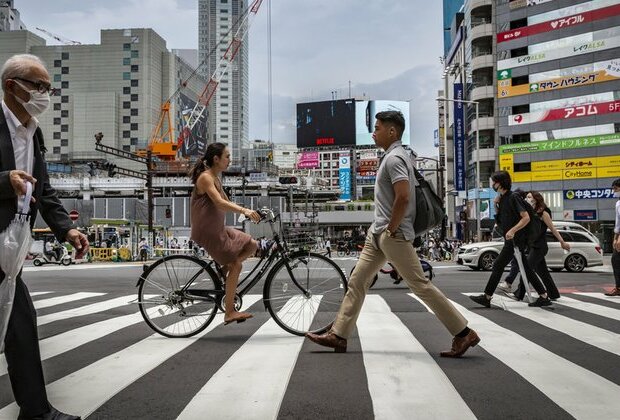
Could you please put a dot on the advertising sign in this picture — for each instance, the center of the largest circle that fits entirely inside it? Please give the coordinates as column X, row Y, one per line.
column 329, row 123
column 565, row 169
column 570, row 112
column 601, row 72
column 459, row 139
column 557, row 53
column 563, row 22
column 517, row 4
column 344, row 175
column 561, row 144
column 365, row 112
column 584, row 215
column 588, row 194
column 308, row 160
column 190, row 142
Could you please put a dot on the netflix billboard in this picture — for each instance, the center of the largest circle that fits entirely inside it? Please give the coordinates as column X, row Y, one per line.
column 326, row 124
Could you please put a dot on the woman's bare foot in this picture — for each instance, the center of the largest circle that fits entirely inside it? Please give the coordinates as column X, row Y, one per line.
column 237, row 317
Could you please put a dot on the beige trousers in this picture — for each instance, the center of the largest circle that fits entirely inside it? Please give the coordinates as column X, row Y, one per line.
column 377, row 250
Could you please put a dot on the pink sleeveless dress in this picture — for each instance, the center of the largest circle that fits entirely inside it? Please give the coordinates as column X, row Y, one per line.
column 223, row 243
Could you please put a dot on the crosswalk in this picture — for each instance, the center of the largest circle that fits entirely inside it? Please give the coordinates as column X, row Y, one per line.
column 102, row 361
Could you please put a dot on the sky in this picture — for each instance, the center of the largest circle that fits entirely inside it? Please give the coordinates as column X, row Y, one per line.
column 386, row 49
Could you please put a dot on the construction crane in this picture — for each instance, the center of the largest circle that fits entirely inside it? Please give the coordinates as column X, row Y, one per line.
column 58, row 37
column 162, row 143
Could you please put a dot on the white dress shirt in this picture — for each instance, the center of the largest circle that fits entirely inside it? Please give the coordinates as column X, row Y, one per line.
column 23, row 142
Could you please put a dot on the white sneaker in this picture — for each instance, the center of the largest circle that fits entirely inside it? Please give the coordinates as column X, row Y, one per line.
column 505, row 287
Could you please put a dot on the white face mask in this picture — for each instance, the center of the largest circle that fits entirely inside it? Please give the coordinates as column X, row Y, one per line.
column 617, row 194
column 38, row 103
column 531, row 201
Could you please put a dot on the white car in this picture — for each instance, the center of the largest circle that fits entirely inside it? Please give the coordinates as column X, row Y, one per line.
column 585, row 252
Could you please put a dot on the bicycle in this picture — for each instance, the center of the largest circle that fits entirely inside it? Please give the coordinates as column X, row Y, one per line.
column 179, row 295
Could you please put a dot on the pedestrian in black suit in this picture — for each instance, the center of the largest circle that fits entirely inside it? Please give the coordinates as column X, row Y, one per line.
column 26, row 86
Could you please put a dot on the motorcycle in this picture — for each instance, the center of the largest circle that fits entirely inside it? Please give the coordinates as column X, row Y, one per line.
column 65, row 259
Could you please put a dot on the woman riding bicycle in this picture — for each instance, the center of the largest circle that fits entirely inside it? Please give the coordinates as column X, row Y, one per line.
column 227, row 246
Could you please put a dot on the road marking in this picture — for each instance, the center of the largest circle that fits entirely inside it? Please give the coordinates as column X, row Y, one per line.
column 581, row 331
column 85, row 310
column 413, row 295
column 614, row 299
column 243, row 388
column 582, row 393
column 592, row 308
column 32, row 294
column 396, row 363
column 46, row 303
column 85, row 390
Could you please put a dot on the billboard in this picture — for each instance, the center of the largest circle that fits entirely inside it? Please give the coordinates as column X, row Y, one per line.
column 564, row 169
column 365, row 112
column 570, row 112
column 194, row 142
column 344, row 175
column 459, row 139
column 308, row 160
column 329, row 123
column 561, row 144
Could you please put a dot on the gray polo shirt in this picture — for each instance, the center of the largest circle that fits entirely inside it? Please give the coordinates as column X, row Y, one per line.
column 395, row 166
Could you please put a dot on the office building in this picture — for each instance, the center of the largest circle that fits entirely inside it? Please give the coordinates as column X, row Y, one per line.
column 228, row 111
column 9, row 17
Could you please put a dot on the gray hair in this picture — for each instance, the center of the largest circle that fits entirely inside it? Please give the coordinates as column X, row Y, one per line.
column 18, row 66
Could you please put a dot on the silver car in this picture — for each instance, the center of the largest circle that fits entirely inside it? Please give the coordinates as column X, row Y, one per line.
column 585, row 251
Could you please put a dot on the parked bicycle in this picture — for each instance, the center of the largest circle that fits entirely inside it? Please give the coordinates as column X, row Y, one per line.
column 180, row 295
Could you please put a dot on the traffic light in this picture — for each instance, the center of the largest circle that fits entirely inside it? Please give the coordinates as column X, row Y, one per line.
column 168, row 213
column 285, row 180
column 111, row 170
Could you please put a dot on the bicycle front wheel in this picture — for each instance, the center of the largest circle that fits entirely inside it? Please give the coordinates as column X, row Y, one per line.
column 177, row 296
column 303, row 292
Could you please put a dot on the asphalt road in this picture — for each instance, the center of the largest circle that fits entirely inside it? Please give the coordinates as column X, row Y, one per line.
column 532, row 363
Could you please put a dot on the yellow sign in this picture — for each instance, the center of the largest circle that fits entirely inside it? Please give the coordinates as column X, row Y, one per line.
column 565, row 169
column 609, row 172
column 506, row 163
column 505, row 89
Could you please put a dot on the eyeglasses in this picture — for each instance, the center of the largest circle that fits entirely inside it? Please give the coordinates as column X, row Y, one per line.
column 40, row 87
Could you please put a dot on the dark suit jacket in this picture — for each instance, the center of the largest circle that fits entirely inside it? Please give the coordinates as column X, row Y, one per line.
column 47, row 201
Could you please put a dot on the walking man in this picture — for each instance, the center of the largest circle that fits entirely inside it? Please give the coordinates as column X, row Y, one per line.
column 390, row 238
column 615, row 257
column 328, row 247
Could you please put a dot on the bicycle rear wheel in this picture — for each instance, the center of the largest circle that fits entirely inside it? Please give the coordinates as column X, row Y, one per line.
column 313, row 307
column 167, row 308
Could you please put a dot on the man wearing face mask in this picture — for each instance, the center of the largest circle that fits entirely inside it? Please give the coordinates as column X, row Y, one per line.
column 615, row 257
column 512, row 216
column 26, row 86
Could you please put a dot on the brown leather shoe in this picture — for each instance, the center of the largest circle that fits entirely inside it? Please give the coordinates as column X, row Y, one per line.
column 329, row 339
column 460, row 345
column 614, row 292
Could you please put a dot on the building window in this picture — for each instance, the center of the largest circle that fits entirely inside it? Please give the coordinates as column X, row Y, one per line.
column 126, row 47
column 133, row 141
column 224, row 128
column 126, row 90
column 57, row 77
column 134, row 126
column 134, row 53
column 126, row 148
column 126, row 75
column 64, row 113
column 57, row 135
column 64, row 56
column 134, row 83
column 134, row 112
column 64, row 99
column 64, row 85
column 126, row 61
column 135, row 68
column 126, row 119
column 126, row 105
column 64, row 128
column 224, row 136
column 56, row 121
column 57, row 63
column 223, row 10
column 134, row 97
column 126, row 134
column 64, row 70
column 224, row 89
column 64, row 142
column 56, row 107
column 56, row 150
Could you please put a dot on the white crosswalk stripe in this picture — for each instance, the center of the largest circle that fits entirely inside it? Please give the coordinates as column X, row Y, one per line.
column 614, row 299
column 403, row 375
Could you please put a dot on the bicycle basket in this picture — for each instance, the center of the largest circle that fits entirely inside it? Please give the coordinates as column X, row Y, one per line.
column 300, row 237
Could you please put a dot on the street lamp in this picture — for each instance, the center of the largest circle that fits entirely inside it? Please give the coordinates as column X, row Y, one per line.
column 476, row 103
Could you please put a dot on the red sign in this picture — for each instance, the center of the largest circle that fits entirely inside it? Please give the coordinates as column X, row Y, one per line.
column 325, row 140
column 570, row 112
column 74, row 215
column 565, row 22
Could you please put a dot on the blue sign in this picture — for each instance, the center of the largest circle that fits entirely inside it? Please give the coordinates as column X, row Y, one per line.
column 344, row 175
column 436, row 138
column 459, row 139
column 584, row 215
column 588, row 194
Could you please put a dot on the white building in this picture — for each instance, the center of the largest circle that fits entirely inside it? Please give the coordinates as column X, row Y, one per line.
column 9, row 17
column 228, row 111
column 284, row 155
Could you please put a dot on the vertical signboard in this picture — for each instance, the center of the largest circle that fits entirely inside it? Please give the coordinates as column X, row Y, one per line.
column 459, row 139
column 344, row 173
